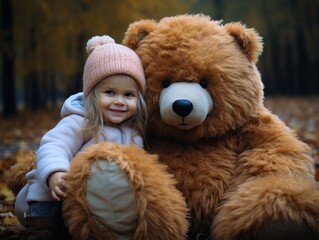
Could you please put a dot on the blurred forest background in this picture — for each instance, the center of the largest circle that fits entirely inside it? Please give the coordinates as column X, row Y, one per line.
column 43, row 42
column 42, row 55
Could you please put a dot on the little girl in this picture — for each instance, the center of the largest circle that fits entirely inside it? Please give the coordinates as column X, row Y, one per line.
column 111, row 108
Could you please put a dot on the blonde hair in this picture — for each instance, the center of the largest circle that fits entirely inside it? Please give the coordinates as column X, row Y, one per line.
column 93, row 125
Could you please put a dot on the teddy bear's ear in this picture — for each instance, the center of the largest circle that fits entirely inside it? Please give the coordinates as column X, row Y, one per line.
column 248, row 39
column 137, row 31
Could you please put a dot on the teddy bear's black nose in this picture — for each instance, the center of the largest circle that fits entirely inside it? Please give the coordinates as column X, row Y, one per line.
column 182, row 107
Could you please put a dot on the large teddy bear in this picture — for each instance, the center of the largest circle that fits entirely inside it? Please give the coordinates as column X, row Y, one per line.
column 220, row 165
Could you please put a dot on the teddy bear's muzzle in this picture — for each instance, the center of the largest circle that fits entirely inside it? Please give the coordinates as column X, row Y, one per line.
column 185, row 105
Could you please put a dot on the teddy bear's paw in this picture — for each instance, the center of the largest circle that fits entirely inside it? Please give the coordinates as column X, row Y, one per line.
column 285, row 230
column 111, row 199
column 120, row 192
column 270, row 206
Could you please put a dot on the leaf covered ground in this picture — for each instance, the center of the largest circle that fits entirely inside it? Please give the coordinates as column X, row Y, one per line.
column 22, row 133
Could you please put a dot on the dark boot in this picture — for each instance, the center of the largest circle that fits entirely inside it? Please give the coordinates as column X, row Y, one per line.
column 45, row 228
column 40, row 228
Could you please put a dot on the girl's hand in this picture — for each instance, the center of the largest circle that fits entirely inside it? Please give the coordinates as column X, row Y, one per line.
column 57, row 185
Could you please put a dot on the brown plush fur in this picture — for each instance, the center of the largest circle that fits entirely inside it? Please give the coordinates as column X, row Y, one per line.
column 161, row 209
column 16, row 178
column 242, row 167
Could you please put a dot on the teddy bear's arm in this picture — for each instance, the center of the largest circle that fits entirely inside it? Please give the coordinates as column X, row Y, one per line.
column 274, row 184
column 273, row 148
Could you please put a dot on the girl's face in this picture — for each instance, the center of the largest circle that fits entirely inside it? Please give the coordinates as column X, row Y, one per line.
column 118, row 98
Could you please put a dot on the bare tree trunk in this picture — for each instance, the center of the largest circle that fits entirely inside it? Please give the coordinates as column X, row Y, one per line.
column 32, row 82
column 8, row 86
column 219, row 11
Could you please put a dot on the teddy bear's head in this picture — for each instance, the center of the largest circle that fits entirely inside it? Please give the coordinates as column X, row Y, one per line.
column 202, row 79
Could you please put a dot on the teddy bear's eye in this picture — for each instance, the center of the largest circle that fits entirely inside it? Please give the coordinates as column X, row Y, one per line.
column 166, row 83
column 203, row 83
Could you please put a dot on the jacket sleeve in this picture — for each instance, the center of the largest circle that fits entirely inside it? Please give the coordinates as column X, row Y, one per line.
column 58, row 146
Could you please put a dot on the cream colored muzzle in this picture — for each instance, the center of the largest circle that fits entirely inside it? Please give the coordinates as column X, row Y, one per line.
column 185, row 105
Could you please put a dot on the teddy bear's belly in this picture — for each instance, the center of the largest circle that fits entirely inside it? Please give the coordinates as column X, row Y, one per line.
column 203, row 174
column 203, row 180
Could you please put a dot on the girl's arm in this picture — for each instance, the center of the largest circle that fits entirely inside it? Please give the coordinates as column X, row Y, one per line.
column 58, row 146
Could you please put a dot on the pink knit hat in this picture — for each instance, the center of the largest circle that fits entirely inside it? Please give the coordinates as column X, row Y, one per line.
column 107, row 58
